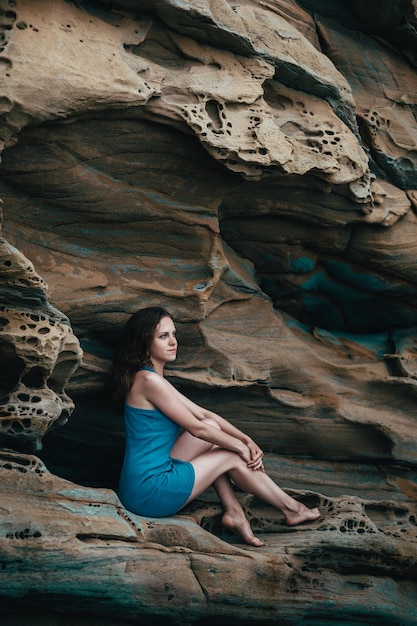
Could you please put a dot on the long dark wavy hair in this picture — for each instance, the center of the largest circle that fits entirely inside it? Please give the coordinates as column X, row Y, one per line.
column 133, row 351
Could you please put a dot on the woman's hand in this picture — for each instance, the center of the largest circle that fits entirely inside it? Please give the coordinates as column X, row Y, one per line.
column 256, row 456
column 244, row 452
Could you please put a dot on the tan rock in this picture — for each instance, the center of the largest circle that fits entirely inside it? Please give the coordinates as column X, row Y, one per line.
column 39, row 352
column 59, row 540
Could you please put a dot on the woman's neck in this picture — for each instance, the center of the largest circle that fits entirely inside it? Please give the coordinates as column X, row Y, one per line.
column 158, row 368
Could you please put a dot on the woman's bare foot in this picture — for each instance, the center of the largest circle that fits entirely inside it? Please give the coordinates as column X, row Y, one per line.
column 240, row 525
column 301, row 514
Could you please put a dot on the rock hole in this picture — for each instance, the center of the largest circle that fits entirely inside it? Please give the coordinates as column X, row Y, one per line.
column 11, row 366
column 23, row 397
column 213, row 111
column 3, row 322
column 34, row 379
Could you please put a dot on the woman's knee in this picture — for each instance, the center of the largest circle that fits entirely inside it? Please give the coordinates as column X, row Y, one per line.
column 213, row 463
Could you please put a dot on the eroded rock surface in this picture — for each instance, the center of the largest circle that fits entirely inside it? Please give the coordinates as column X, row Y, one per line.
column 252, row 167
column 170, row 568
column 38, row 354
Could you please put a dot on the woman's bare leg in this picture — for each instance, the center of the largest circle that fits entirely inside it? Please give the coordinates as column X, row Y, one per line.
column 214, row 463
column 234, row 516
column 187, row 448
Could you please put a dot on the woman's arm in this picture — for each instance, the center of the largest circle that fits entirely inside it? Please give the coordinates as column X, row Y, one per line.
column 158, row 392
column 201, row 413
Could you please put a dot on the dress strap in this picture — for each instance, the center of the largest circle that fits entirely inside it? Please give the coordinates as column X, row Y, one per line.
column 145, row 367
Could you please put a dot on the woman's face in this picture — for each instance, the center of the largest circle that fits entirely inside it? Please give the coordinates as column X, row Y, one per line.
column 163, row 346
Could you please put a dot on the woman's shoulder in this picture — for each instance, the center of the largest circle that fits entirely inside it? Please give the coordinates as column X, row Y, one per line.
column 147, row 378
column 146, row 389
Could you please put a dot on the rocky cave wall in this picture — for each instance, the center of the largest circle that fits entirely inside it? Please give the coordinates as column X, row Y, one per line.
column 252, row 167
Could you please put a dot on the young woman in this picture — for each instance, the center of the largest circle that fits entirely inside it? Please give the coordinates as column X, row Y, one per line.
column 164, row 470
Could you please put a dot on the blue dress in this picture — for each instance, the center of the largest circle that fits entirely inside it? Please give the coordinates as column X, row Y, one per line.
column 151, row 482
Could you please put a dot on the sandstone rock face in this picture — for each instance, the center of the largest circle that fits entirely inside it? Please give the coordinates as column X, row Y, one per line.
column 38, row 354
column 252, row 167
